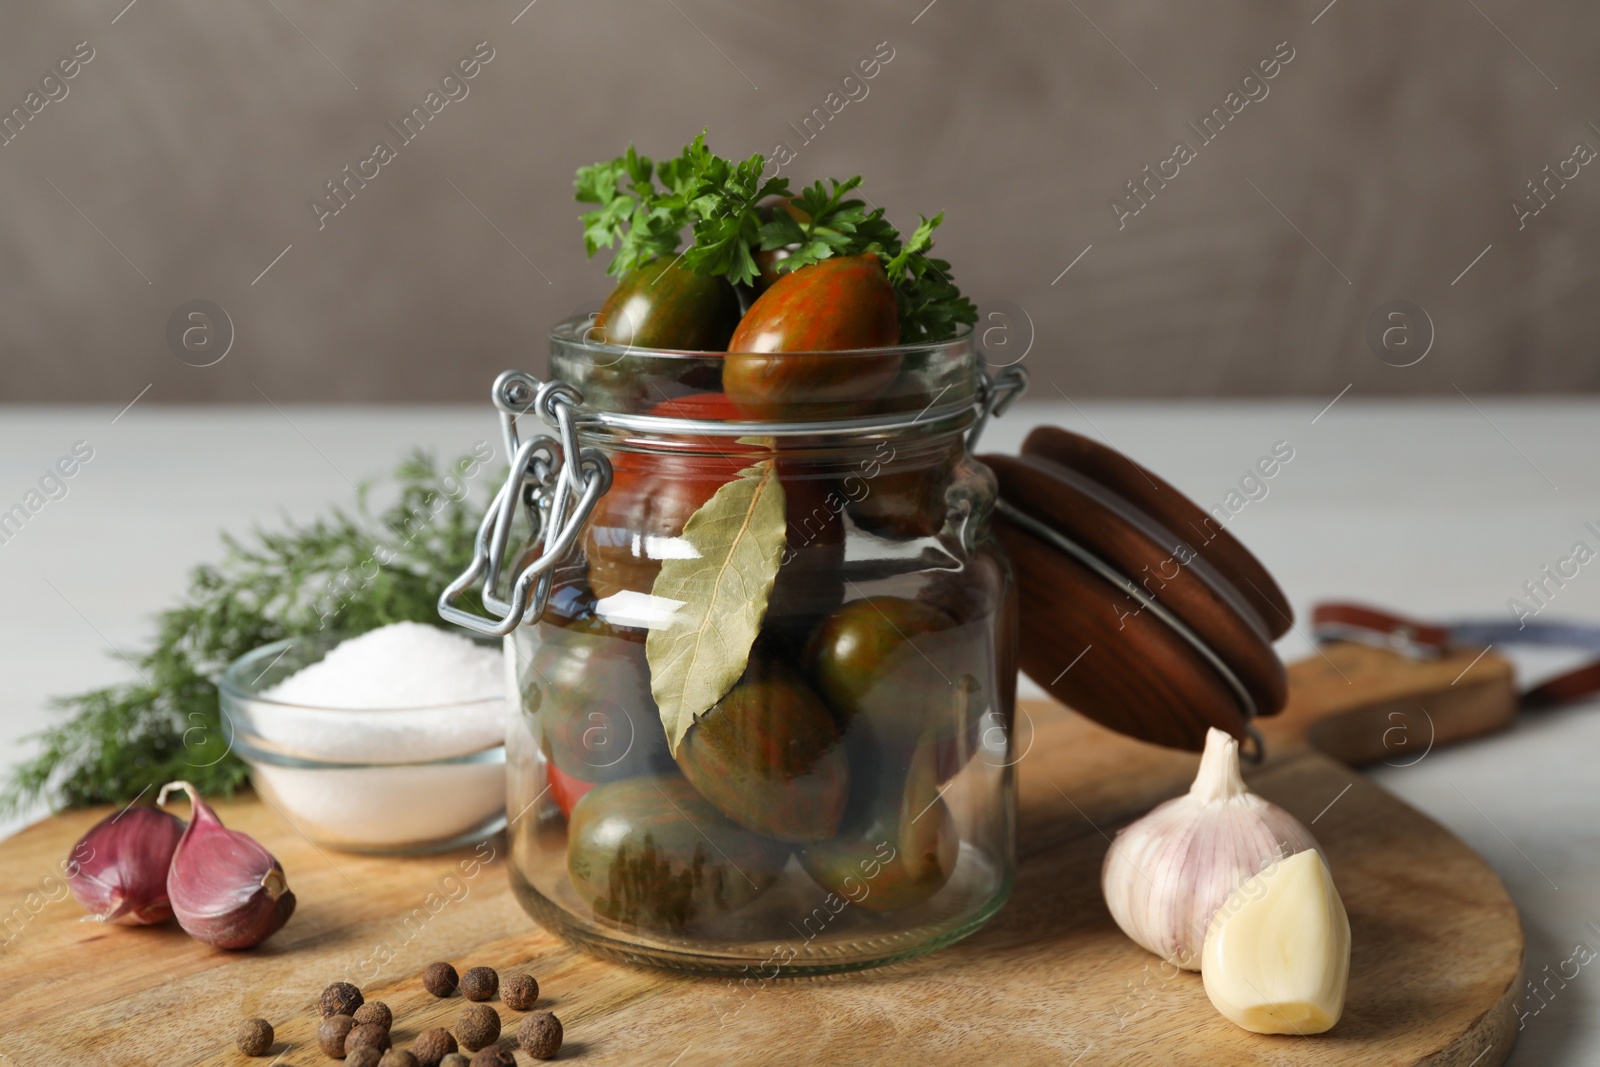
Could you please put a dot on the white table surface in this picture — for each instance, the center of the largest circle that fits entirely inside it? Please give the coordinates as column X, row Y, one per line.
column 1435, row 507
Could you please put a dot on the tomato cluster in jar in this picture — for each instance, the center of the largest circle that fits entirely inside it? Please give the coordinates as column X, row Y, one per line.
column 824, row 761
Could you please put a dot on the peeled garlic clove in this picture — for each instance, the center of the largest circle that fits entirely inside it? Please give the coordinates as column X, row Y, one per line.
column 1277, row 956
column 118, row 870
column 1166, row 875
column 226, row 890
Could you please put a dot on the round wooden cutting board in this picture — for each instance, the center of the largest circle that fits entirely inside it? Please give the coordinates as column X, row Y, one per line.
column 1434, row 973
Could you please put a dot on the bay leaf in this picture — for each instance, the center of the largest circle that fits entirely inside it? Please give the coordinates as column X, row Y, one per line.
column 738, row 539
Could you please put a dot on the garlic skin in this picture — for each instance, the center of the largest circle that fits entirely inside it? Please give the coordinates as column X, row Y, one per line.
column 226, row 890
column 1277, row 956
column 118, row 870
column 1166, row 874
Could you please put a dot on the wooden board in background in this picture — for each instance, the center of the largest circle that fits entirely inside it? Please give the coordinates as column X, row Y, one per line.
column 1434, row 974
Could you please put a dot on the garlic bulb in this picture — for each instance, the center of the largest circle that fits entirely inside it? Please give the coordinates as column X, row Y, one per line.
column 1168, row 873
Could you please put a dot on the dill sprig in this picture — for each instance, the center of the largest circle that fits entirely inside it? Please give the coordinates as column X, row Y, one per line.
column 350, row 570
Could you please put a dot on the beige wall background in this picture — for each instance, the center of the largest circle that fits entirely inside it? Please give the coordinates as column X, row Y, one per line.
column 1382, row 162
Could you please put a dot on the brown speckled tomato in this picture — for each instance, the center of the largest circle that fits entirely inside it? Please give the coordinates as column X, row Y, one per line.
column 768, row 755
column 774, row 368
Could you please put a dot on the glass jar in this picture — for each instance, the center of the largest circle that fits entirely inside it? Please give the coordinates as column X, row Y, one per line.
column 832, row 639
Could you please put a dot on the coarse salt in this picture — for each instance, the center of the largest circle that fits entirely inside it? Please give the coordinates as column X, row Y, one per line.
column 360, row 735
column 402, row 665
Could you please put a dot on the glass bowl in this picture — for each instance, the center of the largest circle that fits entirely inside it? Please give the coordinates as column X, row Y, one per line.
column 394, row 781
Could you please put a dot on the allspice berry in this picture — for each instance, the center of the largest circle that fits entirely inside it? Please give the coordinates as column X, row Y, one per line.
column 539, row 1035
column 433, row 1045
column 440, row 979
column 367, row 1035
column 331, row 1033
column 365, row 1056
column 480, row 983
column 519, row 991
column 494, row 1056
column 398, row 1057
column 455, row 1059
column 341, row 998
column 254, row 1037
column 375, row 1012
column 478, row 1025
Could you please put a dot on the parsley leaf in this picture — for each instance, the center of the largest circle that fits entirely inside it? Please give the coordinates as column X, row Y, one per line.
column 931, row 307
column 727, row 225
column 719, row 201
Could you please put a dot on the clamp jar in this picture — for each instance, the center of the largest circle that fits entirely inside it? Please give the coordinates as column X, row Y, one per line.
column 764, row 667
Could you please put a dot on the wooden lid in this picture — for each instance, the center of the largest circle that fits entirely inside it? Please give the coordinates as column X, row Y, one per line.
column 1137, row 608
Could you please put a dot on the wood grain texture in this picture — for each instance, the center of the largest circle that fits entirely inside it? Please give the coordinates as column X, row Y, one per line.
column 1434, row 973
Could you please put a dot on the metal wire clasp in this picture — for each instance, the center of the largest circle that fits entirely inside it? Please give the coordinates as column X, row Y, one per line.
column 556, row 482
column 995, row 395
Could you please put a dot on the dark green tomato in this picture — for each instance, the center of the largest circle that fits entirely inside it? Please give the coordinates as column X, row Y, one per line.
column 775, row 367
column 769, row 756
column 665, row 305
column 590, row 689
column 900, row 670
column 652, row 853
column 899, row 842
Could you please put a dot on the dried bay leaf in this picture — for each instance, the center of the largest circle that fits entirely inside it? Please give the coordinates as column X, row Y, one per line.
column 738, row 536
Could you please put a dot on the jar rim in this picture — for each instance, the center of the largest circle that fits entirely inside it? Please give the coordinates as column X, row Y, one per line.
column 574, row 332
column 932, row 384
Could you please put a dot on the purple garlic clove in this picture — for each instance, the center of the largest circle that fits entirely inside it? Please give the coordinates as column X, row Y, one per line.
column 226, row 890
column 118, row 871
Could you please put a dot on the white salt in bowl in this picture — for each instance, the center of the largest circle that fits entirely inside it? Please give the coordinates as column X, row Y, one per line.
column 397, row 780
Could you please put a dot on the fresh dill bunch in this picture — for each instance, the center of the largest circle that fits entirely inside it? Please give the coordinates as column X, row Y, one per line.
column 349, row 570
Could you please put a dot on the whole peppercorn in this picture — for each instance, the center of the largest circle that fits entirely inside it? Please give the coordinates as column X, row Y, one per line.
column 398, row 1057
column 440, row 979
column 479, row 983
column 494, row 1056
column 375, row 1012
column 365, row 1056
column 366, row 1035
column 253, row 1037
column 433, row 1045
column 455, row 1059
column 519, row 991
column 539, row 1035
column 477, row 1026
column 341, row 998
column 331, row 1033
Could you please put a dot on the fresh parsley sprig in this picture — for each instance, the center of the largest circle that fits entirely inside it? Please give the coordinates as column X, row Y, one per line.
column 931, row 307
column 820, row 224
column 721, row 202
column 642, row 220
column 727, row 216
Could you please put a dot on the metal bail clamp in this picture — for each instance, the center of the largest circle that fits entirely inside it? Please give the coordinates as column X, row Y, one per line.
column 557, row 483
